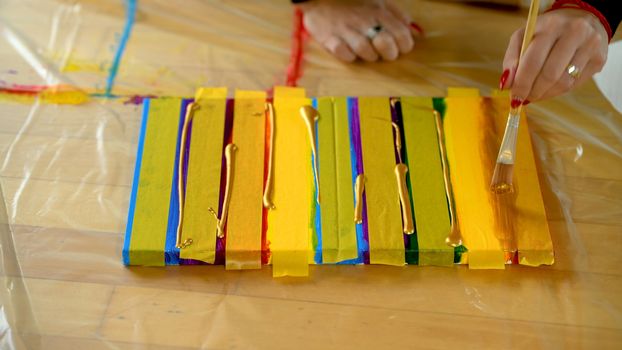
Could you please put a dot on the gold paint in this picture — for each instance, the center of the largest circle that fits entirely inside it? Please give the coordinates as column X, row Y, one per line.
column 230, row 163
column 407, row 218
column 504, row 206
column 310, row 115
column 408, row 225
column 398, row 141
column 190, row 109
column 359, row 188
column 454, row 238
column 393, row 101
column 267, row 193
column 187, row 242
column 502, row 187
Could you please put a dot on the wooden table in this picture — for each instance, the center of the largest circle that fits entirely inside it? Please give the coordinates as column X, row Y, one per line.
column 66, row 173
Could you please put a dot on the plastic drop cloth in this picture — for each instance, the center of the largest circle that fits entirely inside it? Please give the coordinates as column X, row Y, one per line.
column 66, row 172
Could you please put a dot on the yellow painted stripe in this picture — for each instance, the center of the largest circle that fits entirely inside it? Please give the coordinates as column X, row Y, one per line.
column 203, row 181
column 52, row 95
column 154, row 185
column 471, row 164
column 243, row 248
column 338, row 228
column 62, row 96
column 384, row 219
column 426, row 179
column 289, row 224
column 527, row 210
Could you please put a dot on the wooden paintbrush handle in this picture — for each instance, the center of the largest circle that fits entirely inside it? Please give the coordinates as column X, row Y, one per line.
column 531, row 25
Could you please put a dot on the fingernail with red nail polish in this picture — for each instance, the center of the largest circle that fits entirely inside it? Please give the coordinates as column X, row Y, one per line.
column 526, row 102
column 516, row 102
column 504, row 78
column 417, row 28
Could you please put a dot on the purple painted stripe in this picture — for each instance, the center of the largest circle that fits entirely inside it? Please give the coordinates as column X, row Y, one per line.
column 356, row 139
column 187, row 146
column 396, row 117
column 221, row 242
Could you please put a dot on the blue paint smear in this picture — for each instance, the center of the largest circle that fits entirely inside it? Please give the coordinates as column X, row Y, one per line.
column 129, row 23
column 318, row 212
column 171, row 252
column 360, row 241
column 139, row 158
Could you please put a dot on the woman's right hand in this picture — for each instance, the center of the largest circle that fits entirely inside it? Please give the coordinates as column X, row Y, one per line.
column 562, row 38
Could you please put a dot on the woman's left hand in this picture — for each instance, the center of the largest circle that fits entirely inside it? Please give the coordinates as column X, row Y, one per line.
column 562, row 38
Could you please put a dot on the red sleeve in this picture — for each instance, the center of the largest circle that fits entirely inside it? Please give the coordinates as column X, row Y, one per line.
column 609, row 12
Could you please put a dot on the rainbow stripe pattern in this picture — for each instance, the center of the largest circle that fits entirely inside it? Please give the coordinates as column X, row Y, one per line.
column 312, row 171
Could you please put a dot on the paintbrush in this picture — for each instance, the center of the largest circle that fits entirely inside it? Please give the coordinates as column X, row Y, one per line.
column 504, row 169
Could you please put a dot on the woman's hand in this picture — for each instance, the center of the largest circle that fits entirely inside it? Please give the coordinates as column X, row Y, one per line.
column 562, row 38
column 342, row 27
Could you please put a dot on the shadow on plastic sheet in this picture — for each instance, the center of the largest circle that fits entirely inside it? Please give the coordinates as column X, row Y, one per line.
column 18, row 327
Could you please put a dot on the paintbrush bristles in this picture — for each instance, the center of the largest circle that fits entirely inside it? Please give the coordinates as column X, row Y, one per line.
column 502, row 178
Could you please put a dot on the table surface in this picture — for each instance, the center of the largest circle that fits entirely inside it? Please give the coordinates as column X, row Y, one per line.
column 66, row 173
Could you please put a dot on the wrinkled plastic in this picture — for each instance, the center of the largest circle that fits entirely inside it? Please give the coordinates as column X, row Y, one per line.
column 66, row 172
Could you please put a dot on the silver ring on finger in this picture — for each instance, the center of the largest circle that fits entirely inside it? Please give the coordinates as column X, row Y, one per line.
column 372, row 32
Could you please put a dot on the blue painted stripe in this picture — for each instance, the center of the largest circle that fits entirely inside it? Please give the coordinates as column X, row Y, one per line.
column 139, row 158
column 171, row 252
column 129, row 23
column 318, row 212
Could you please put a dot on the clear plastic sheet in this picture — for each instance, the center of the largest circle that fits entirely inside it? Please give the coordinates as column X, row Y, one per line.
column 66, row 172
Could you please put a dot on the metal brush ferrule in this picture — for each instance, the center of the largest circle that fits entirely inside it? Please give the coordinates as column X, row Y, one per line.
column 507, row 152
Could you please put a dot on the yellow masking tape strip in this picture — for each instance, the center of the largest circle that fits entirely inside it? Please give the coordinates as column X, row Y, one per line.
column 244, row 223
column 427, row 183
column 207, row 93
column 529, row 216
column 203, row 179
column 289, row 92
column 289, row 223
column 501, row 93
column 471, row 166
column 462, row 92
column 154, row 186
column 338, row 228
column 384, row 219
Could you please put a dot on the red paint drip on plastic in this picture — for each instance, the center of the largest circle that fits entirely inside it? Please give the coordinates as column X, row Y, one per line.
column 299, row 36
column 25, row 90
